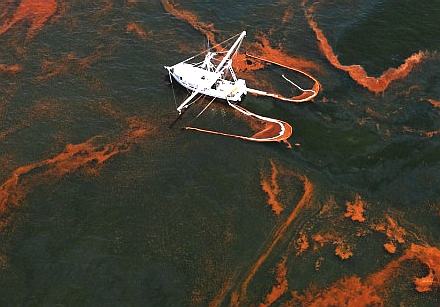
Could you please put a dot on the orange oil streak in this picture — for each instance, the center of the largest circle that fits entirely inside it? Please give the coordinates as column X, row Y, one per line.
column 434, row 103
column 349, row 291
column 390, row 247
column 138, row 30
column 131, row 2
column 352, row 291
column 11, row 69
column 430, row 256
column 263, row 48
column 302, row 244
column 342, row 249
column 392, row 229
column 430, row 134
column 271, row 188
column 278, row 235
column 424, row 284
column 304, row 96
column 218, row 299
column 355, row 209
column 74, row 157
column 357, row 72
column 70, row 62
column 189, row 17
column 37, row 12
column 269, row 130
column 322, row 239
column 281, row 286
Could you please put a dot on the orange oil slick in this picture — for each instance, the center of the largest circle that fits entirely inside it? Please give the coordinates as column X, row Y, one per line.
column 73, row 158
column 11, row 69
column 392, row 229
column 131, row 2
column 189, row 17
column 304, row 96
column 322, row 239
column 390, row 247
column 70, row 62
column 138, row 30
column 270, row 129
column 302, row 244
column 281, row 286
column 343, row 251
column 272, row 189
column 263, row 48
column 355, row 209
column 434, row 103
column 424, row 284
column 349, row 292
column 240, row 295
column 431, row 134
column 357, row 72
column 43, row 109
column 429, row 256
column 37, row 12
column 352, row 291
column 226, row 287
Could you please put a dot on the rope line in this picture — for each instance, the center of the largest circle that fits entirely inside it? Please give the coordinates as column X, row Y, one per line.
column 172, row 86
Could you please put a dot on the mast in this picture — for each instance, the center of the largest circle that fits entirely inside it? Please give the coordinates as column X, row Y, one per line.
column 230, row 52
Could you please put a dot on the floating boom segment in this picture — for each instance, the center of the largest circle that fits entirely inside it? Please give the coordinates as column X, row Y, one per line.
column 275, row 131
column 305, row 96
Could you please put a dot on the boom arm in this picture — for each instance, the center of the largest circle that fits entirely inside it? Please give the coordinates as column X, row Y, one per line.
column 187, row 100
column 231, row 51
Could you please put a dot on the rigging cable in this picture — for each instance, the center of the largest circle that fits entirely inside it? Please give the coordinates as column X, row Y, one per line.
column 172, row 86
column 204, row 109
column 213, row 47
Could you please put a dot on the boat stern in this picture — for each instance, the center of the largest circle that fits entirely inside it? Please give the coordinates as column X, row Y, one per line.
column 238, row 90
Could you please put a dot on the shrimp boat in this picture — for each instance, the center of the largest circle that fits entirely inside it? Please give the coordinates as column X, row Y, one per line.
column 214, row 77
column 209, row 79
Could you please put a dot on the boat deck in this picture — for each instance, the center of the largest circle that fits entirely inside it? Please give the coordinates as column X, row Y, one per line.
column 208, row 83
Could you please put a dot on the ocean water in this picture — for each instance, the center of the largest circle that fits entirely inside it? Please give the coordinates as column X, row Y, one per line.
column 102, row 203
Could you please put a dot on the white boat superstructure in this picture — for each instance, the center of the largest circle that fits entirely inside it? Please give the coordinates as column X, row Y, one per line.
column 207, row 82
column 213, row 77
